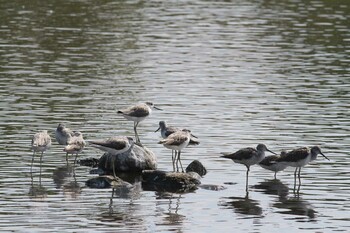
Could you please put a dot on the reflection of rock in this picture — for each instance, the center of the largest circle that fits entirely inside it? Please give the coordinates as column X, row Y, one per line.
column 197, row 167
column 89, row 162
column 106, row 182
column 153, row 180
column 243, row 205
column 137, row 159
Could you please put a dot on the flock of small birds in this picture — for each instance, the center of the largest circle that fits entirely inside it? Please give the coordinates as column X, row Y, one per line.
column 175, row 139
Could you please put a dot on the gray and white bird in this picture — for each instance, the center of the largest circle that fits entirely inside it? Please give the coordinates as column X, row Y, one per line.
column 41, row 142
column 248, row 156
column 138, row 113
column 270, row 163
column 177, row 141
column 300, row 157
column 63, row 134
column 76, row 144
column 166, row 130
column 114, row 146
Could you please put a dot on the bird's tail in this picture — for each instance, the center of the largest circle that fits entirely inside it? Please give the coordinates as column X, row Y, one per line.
column 120, row 112
column 225, row 155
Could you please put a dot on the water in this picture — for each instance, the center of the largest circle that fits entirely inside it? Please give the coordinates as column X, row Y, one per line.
column 237, row 73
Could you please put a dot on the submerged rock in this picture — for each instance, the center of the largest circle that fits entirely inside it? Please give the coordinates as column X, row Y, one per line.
column 101, row 182
column 161, row 181
column 197, row 167
column 137, row 159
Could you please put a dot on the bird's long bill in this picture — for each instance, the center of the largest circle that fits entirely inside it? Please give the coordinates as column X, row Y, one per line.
column 325, row 156
column 193, row 136
column 157, row 108
column 271, row 152
column 157, row 129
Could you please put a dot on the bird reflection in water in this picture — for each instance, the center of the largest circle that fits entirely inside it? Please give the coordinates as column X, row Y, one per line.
column 64, row 177
column 37, row 190
column 171, row 216
column 286, row 205
column 243, row 205
column 273, row 187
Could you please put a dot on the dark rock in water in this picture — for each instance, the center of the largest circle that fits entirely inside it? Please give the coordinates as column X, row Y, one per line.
column 101, row 182
column 89, row 162
column 169, row 181
column 136, row 159
column 197, row 167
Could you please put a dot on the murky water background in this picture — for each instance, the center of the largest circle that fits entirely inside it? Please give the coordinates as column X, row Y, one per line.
column 237, row 73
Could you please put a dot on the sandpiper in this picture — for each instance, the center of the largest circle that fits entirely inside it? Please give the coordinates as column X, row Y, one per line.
column 248, row 156
column 114, row 146
column 269, row 163
column 166, row 130
column 76, row 144
column 41, row 142
column 298, row 158
column 63, row 134
column 177, row 141
column 137, row 114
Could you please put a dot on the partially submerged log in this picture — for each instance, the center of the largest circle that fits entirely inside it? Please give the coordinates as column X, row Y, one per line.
column 137, row 159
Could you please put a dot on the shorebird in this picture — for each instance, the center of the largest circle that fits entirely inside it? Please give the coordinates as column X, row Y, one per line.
column 114, row 146
column 177, row 141
column 269, row 163
column 298, row 158
column 166, row 130
column 76, row 144
column 248, row 156
column 41, row 142
column 63, row 134
column 137, row 114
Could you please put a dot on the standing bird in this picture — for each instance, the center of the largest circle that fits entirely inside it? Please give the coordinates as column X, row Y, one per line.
column 269, row 163
column 166, row 130
column 137, row 114
column 177, row 141
column 298, row 158
column 248, row 156
column 114, row 146
column 41, row 142
column 63, row 134
column 76, row 144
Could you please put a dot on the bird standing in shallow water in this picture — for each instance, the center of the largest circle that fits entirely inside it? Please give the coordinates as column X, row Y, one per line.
column 114, row 146
column 177, row 141
column 76, row 144
column 269, row 163
column 41, row 142
column 166, row 130
column 298, row 158
column 63, row 134
column 137, row 114
column 248, row 156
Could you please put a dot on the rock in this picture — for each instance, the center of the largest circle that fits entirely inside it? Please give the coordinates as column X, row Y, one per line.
column 153, row 180
column 89, row 162
column 106, row 181
column 136, row 159
column 197, row 167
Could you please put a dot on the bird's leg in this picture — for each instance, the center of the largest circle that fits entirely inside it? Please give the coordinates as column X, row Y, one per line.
column 179, row 159
column 275, row 175
column 295, row 178
column 246, row 182
column 136, row 134
column 67, row 158
column 75, row 160
column 299, row 176
column 31, row 167
column 173, row 159
column 41, row 160
column 113, row 165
